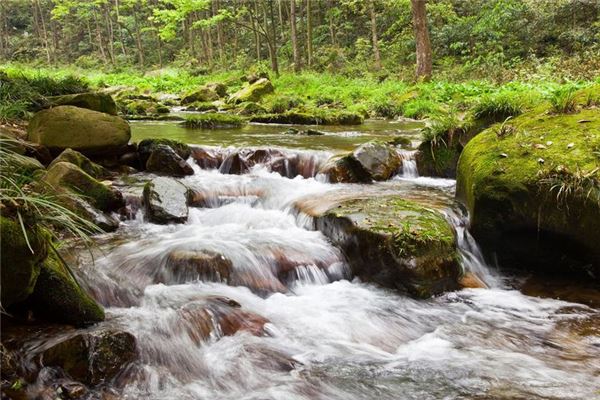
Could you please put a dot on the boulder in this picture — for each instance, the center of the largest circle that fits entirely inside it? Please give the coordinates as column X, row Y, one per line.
column 253, row 92
column 142, row 107
column 532, row 188
column 250, row 108
column 316, row 117
column 164, row 160
column 345, row 169
column 21, row 165
column 379, row 159
column 147, row 146
column 101, row 102
column 78, row 159
column 57, row 297
column 395, row 243
column 21, row 262
column 64, row 175
column 165, row 200
column 92, row 357
column 89, row 132
column 209, row 92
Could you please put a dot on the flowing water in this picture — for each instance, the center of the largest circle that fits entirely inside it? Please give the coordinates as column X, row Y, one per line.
column 328, row 336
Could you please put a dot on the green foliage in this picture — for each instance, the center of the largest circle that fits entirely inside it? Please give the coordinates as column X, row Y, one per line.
column 442, row 126
column 281, row 103
column 213, row 121
column 497, row 107
column 563, row 100
column 420, row 108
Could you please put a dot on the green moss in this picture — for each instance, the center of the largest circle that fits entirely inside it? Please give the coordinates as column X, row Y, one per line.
column 503, row 176
column 213, row 121
column 253, row 92
column 66, row 175
column 57, row 297
column 101, row 102
column 21, row 259
column 312, row 117
column 202, row 106
column 78, row 159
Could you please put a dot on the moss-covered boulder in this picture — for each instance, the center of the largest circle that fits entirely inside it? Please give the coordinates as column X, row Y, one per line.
column 250, row 108
column 92, row 357
column 78, row 159
column 438, row 159
column 146, row 108
column 532, row 187
column 213, row 121
column 21, row 259
column 89, row 132
column 101, row 102
column 208, row 92
column 57, row 297
column 165, row 200
column 253, row 92
column 147, row 146
column 164, row 160
column 396, row 243
column 64, row 175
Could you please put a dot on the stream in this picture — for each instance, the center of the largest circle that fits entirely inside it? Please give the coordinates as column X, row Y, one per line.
column 328, row 335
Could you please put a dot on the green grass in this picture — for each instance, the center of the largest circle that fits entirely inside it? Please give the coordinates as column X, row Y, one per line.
column 213, row 121
column 563, row 100
column 499, row 106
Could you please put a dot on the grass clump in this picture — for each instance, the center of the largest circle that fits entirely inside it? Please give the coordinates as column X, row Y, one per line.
column 564, row 100
column 567, row 184
column 279, row 104
column 213, row 121
column 497, row 107
column 420, row 108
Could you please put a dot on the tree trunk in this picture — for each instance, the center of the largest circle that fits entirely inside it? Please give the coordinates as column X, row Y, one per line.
column 138, row 39
column 296, row 55
column 274, row 61
column 220, row 43
column 419, row 15
column 376, row 55
column 120, row 28
column 308, row 33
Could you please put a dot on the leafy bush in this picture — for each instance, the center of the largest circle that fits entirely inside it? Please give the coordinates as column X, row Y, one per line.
column 281, row 104
column 443, row 126
column 420, row 108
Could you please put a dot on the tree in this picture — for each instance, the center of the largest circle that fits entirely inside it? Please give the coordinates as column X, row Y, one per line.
column 376, row 54
column 294, row 36
column 423, row 44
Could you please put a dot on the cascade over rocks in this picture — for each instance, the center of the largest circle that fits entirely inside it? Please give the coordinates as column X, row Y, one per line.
column 187, row 265
column 532, row 188
column 89, row 132
column 164, row 160
column 396, row 243
column 165, row 200
column 92, row 357
column 101, row 102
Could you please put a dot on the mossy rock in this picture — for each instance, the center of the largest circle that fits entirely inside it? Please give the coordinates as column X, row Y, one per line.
column 64, row 175
column 253, row 92
column 22, row 165
column 164, row 160
column 209, row 92
column 396, row 243
column 78, row 159
column 439, row 159
column 532, row 185
column 101, row 102
column 142, row 107
column 58, row 298
column 250, row 108
column 202, row 106
column 147, row 146
column 20, row 263
column 89, row 132
column 213, row 121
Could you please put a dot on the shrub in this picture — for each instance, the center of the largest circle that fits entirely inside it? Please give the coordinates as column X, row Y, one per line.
column 281, row 104
column 420, row 108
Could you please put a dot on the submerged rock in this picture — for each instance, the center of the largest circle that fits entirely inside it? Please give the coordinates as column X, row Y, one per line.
column 165, row 200
column 531, row 214
column 21, row 259
column 78, row 159
column 101, row 102
column 396, row 243
column 57, row 297
column 89, row 132
column 187, row 265
column 253, row 92
column 164, row 160
column 92, row 357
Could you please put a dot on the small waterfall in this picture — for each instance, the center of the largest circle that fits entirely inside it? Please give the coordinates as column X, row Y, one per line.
column 471, row 257
column 409, row 164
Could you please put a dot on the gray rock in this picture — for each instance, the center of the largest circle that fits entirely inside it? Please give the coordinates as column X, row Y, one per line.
column 164, row 160
column 165, row 200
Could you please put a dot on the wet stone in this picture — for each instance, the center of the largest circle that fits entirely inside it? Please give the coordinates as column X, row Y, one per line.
column 165, row 200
